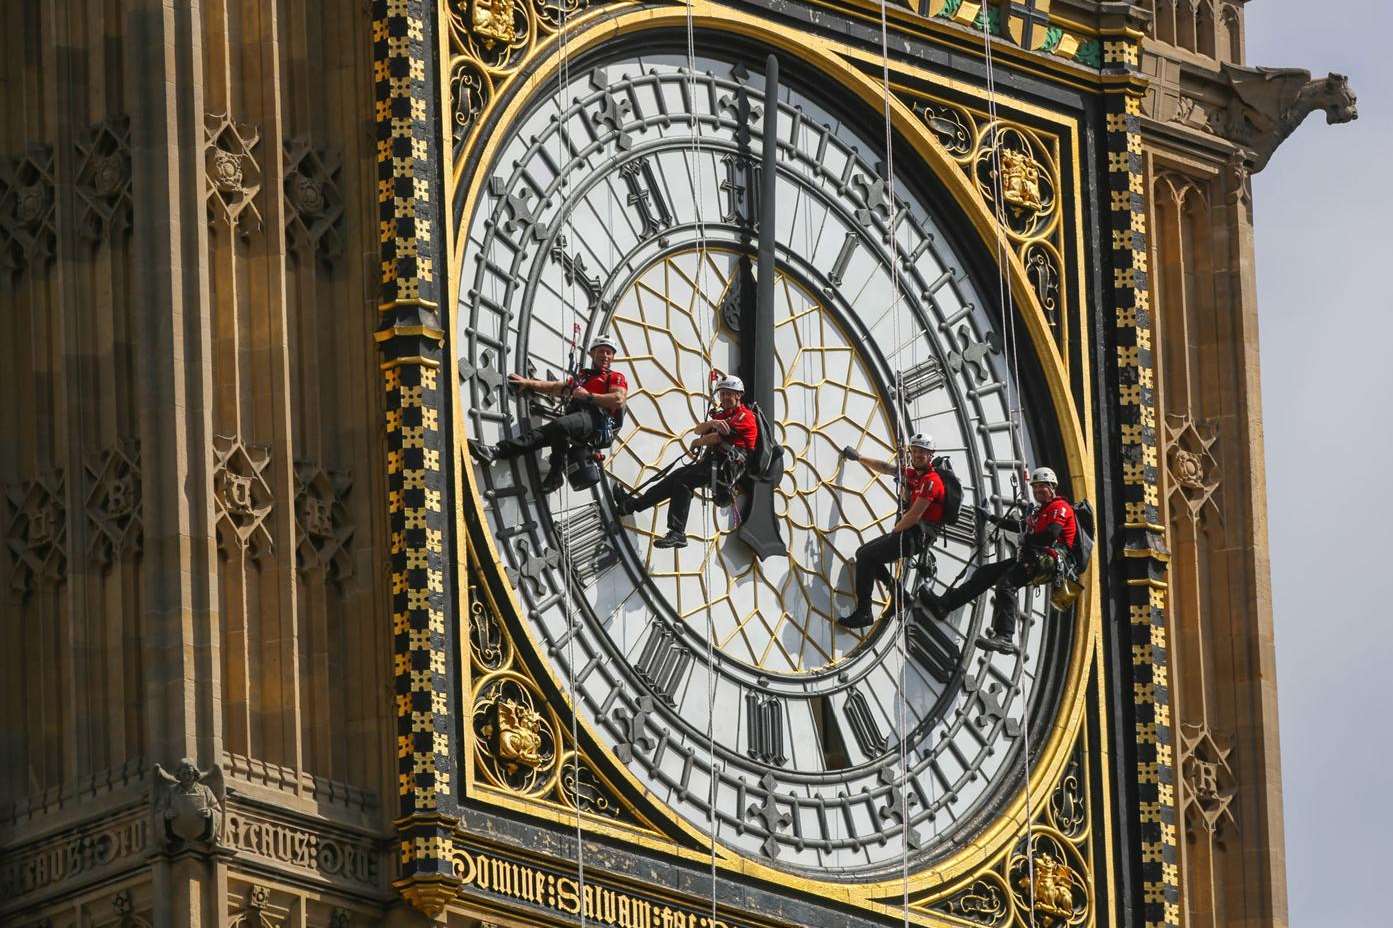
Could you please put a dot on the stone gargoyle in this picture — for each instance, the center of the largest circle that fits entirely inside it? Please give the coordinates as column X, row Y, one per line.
column 1272, row 102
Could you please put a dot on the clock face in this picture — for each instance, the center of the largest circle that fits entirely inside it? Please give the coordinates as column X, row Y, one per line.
column 623, row 204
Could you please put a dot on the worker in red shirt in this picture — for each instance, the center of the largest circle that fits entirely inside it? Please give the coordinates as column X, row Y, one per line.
column 594, row 407
column 723, row 443
column 921, row 498
column 1047, row 536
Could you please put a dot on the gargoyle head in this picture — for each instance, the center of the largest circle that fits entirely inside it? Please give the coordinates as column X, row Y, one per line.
column 1338, row 100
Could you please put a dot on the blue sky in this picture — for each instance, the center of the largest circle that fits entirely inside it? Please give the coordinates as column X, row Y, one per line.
column 1322, row 213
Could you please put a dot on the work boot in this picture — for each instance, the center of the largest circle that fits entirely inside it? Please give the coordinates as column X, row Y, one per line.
column 623, row 504
column 673, row 539
column 998, row 641
column 553, row 480
column 934, row 604
column 857, row 618
column 482, row 451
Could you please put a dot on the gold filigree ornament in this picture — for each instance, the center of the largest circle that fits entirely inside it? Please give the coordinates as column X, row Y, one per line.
column 1047, row 883
column 1027, row 181
column 492, row 21
column 515, row 744
column 490, row 40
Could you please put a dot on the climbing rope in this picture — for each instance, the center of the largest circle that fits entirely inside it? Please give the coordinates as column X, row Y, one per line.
column 1007, row 303
column 563, row 84
column 901, row 427
column 706, row 329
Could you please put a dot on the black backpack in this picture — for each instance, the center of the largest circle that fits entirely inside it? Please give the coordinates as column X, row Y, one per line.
column 952, row 490
column 1082, row 552
column 759, row 464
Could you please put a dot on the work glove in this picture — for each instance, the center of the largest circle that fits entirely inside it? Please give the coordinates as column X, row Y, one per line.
column 851, row 454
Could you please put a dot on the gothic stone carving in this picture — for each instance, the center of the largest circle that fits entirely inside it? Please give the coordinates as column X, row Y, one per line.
column 27, row 210
column 1194, row 471
column 242, row 496
column 323, row 528
column 36, row 533
column 104, row 180
column 113, row 503
column 314, row 205
column 124, row 906
column 1272, row 102
column 1208, row 781
column 234, row 176
column 257, row 911
column 333, row 856
column 188, row 804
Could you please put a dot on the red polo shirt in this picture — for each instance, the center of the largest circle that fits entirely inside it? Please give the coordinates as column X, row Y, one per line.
column 598, row 381
column 1056, row 512
column 926, row 484
column 744, row 427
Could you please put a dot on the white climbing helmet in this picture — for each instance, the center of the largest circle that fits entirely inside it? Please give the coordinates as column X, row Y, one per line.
column 731, row 382
column 922, row 440
column 604, row 341
column 1044, row 475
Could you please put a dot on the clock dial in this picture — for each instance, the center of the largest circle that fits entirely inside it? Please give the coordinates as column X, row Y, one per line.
column 608, row 210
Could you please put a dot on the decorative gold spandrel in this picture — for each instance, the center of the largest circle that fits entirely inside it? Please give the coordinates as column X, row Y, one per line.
column 1045, row 879
column 521, row 744
column 1024, row 165
column 490, row 42
column 1020, row 180
column 493, row 21
column 519, row 734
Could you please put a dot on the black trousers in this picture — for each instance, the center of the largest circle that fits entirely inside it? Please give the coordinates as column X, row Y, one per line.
column 559, row 434
column 873, row 560
column 677, row 488
column 1008, row 577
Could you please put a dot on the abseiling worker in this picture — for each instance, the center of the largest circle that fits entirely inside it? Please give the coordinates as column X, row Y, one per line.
column 720, row 450
column 594, row 405
column 1047, row 536
column 921, row 496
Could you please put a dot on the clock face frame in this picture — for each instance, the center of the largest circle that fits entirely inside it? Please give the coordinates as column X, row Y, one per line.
column 808, row 778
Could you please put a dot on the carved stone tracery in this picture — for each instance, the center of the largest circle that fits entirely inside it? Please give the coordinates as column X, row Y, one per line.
column 323, row 527
column 234, row 175
column 104, row 180
column 28, row 234
column 242, row 497
column 314, row 214
column 1209, row 786
column 113, row 503
column 36, row 533
column 1193, row 469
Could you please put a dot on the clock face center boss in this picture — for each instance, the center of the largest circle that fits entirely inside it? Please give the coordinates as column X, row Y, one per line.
column 629, row 212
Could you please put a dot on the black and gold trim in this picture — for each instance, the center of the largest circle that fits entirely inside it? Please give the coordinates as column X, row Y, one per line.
column 410, row 337
column 1144, row 565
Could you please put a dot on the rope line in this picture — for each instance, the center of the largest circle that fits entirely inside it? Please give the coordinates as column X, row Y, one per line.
column 563, row 84
column 707, row 334
column 1007, row 302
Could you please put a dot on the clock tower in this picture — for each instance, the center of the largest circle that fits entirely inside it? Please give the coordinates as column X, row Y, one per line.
column 284, row 652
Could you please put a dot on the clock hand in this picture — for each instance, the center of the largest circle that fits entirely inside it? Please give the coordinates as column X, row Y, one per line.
column 758, row 527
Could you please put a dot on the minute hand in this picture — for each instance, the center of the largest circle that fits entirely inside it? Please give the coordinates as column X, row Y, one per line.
column 759, row 529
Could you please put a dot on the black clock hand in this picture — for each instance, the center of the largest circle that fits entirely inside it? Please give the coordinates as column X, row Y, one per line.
column 758, row 527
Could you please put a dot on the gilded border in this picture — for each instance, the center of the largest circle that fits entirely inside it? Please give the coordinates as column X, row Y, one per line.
column 586, row 33
column 410, row 337
column 1144, row 565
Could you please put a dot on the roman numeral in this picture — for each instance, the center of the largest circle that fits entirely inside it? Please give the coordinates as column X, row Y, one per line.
column 764, row 729
column 586, row 542
column 741, row 189
column 664, row 664
column 644, row 195
column 931, row 648
column 863, row 725
column 575, row 270
column 839, row 267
